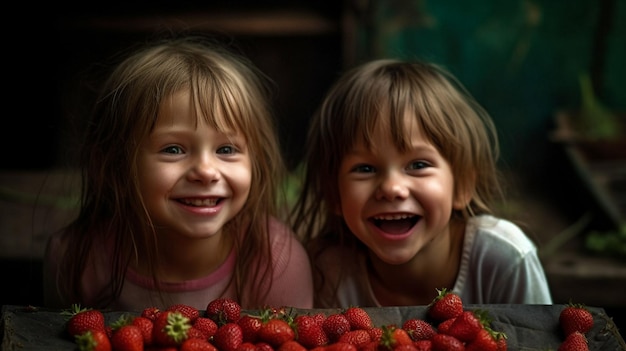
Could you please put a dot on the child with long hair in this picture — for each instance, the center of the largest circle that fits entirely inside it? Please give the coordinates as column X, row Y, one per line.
column 181, row 177
column 399, row 184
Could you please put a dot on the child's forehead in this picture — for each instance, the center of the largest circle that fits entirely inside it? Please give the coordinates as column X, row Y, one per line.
column 383, row 133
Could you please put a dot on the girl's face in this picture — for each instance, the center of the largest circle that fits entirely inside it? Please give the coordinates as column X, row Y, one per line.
column 396, row 202
column 193, row 178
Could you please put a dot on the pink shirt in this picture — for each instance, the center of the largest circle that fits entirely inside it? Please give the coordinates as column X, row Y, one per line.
column 292, row 287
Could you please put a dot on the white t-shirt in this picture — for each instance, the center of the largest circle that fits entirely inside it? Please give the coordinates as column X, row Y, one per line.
column 499, row 265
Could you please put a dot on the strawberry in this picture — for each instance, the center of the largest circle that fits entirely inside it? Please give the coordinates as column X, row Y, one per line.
column 276, row 331
column 484, row 341
column 319, row 317
column 575, row 317
column 228, row 337
column 423, row 345
column 291, row 345
column 334, row 325
column 93, row 340
column 466, row 326
column 247, row 346
column 418, row 329
column 263, row 346
column 195, row 344
column 358, row 318
column 206, row 326
column 444, row 342
column 150, row 312
column 188, row 311
column 574, row 341
column 357, row 337
column 445, row 306
column 405, row 347
column 340, row 346
column 127, row 338
column 444, row 326
column 170, row 328
column 223, row 310
column 393, row 337
column 250, row 326
column 83, row 319
column 310, row 332
column 145, row 325
column 375, row 333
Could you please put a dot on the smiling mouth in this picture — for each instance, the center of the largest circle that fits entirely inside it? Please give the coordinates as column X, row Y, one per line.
column 200, row 202
column 395, row 224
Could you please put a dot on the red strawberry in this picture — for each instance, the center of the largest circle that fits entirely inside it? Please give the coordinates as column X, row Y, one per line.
column 83, row 319
column 223, row 310
column 275, row 332
column 423, row 345
column 170, row 328
column 195, row 344
column 375, row 333
column 309, row 332
column 93, row 340
column 444, row 326
column 445, row 306
column 575, row 317
column 574, row 341
column 150, row 312
column 127, row 338
column 465, row 327
column 405, row 347
column 358, row 318
column 357, row 337
column 188, row 311
column 444, row 342
column 319, row 317
column 250, row 326
column 418, row 329
column 340, row 346
column 393, row 337
column 501, row 341
column 145, row 325
column 484, row 341
column 291, row 345
column 206, row 326
column 334, row 325
column 263, row 346
column 247, row 346
column 228, row 337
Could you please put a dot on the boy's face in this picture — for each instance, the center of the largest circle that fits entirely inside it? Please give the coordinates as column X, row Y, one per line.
column 396, row 202
column 193, row 178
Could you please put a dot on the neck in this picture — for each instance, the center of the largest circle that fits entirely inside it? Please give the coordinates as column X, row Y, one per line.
column 416, row 281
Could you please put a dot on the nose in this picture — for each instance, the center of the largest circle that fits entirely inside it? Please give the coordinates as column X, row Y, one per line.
column 204, row 170
column 392, row 187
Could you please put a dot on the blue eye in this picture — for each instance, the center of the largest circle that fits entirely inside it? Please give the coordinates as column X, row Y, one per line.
column 417, row 165
column 226, row 150
column 364, row 169
column 173, row 150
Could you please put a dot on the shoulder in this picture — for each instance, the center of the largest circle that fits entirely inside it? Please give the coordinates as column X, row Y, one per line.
column 499, row 233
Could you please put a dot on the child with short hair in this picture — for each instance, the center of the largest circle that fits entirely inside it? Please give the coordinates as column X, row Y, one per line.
column 398, row 190
column 181, row 171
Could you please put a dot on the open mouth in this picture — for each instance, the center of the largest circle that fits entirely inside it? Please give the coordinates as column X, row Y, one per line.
column 397, row 224
column 200, row 202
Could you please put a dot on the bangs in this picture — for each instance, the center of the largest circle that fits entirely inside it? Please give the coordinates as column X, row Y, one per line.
column 381, row 107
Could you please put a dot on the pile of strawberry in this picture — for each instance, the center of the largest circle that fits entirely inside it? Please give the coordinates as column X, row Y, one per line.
column 575, row 321
column 224, row 327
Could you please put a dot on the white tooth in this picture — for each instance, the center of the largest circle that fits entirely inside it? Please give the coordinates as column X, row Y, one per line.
column 200, row 202
column 392, row 217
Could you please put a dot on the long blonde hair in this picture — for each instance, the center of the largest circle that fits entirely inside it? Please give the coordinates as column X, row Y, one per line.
column 231, row 94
